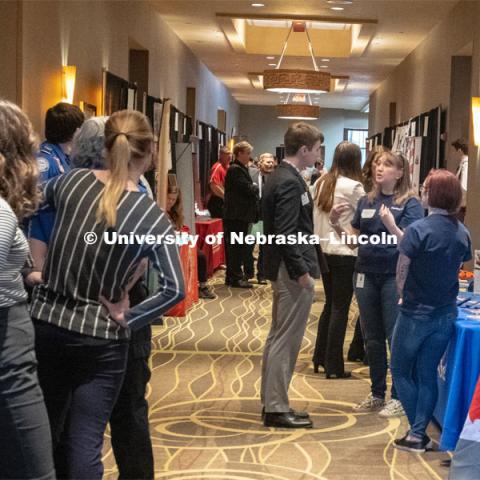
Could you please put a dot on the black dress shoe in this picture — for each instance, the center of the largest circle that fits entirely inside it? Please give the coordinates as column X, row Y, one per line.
column 241, row 284
column 336, row 375
column 286, row 420
column 298, row 414
column 415, row 446
column 261, row 281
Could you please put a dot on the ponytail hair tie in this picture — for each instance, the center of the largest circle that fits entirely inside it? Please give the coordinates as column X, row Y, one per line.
column 122, row 133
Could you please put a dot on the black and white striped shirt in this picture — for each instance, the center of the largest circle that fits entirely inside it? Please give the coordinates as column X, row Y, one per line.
column 76, row 273
column 13, row 254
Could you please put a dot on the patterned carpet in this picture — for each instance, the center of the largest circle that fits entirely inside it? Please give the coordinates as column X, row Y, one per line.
column 205, row 413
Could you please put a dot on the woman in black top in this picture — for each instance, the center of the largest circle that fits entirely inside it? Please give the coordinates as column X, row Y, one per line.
column 81, row 311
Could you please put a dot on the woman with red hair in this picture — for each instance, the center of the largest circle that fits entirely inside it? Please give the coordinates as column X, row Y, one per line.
column 431, row 253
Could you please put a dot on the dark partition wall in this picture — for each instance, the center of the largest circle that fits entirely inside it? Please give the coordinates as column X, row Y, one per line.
column 116, row 93
column 427, row 125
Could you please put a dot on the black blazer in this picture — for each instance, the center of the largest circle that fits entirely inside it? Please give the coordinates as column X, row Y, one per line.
column 287, row 209
column 241, row 195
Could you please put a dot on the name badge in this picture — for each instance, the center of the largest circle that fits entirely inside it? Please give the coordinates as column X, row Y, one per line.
column 360, row 280
column 305, row 199
column 368, row 213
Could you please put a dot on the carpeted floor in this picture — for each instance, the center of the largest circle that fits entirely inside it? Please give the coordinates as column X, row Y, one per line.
column 205, row 412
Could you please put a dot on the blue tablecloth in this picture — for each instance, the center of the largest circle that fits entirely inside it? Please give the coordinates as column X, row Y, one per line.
column 458, row 373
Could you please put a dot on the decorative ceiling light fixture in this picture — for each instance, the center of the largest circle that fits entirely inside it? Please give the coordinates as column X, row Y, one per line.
column 296, row 80
column 299, row 109
column 292, row 111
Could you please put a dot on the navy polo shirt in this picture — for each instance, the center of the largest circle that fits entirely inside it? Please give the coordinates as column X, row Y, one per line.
column 437, row 245
column 381, row 258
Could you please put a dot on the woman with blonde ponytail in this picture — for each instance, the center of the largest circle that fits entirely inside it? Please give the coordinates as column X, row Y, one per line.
column 81, row 312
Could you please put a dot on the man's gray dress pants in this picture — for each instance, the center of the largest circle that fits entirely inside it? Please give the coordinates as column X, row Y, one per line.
column 290, row 310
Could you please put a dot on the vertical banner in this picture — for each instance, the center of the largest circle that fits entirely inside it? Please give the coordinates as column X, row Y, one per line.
column 476, row 272
column 164, row 157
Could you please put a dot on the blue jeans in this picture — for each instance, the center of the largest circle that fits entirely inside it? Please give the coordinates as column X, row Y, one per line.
column 80, row 377
column 378, row 304
column 417, row 348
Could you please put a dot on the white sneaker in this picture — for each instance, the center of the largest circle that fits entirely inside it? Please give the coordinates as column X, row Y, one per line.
column 393, row 408
column 370, row 404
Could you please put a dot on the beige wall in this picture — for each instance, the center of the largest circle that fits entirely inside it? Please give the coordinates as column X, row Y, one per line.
column 422, row 81
column 93, row 35
column 265, row 131
column 9, row 38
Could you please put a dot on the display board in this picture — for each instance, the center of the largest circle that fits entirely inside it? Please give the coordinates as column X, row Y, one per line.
column 427, row 127
column 118, row 93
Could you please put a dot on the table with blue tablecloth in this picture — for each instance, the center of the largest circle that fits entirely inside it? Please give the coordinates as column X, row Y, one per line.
column 458, row 373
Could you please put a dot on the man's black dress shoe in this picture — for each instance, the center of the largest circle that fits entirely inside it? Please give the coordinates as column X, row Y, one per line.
column 286, row 420
column 241, row 284
column 298, row 414
column 261, row 281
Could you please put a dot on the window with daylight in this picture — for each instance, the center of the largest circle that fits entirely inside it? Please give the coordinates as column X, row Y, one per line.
column 359, row 137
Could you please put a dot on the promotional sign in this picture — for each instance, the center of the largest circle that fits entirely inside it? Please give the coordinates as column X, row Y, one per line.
column 476, row 272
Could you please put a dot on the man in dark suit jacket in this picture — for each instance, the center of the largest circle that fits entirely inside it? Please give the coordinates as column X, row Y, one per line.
column 259, row 176
column 240, row 211
column 287, row 210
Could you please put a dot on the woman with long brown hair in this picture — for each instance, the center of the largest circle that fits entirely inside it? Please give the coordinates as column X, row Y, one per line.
column 388, row 209
column 341, row 184
column 82, row 312
column 356, row 350
column 25, row 441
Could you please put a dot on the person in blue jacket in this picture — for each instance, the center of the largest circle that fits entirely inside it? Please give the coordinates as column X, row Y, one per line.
column 53, row 159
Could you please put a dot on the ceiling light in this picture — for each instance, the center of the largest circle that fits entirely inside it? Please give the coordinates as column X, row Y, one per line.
column 340, row 2
column 337, row 8
column 270, row 58
column 325, row 59
column 287, row 111
column 323, row 66
column 296, row 80
column 272, row 64
column 258, row 5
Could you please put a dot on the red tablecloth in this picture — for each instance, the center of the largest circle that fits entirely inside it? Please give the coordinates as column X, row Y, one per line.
column 213, row 247
column 188, row 259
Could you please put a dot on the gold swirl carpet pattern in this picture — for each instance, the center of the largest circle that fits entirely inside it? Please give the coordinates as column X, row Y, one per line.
column 205, row 412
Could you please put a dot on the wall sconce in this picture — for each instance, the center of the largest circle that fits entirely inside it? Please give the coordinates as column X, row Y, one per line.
column 69, row 73
column 476, row 120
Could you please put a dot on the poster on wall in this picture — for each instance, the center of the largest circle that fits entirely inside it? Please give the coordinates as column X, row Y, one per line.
column 413, row 153
column 401, row 134
column 131, row 99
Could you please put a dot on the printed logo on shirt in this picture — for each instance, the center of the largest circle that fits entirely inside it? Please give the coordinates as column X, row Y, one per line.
column 43, row 164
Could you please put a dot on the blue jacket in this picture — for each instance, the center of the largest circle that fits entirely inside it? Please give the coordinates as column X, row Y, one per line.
column 52, row 161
